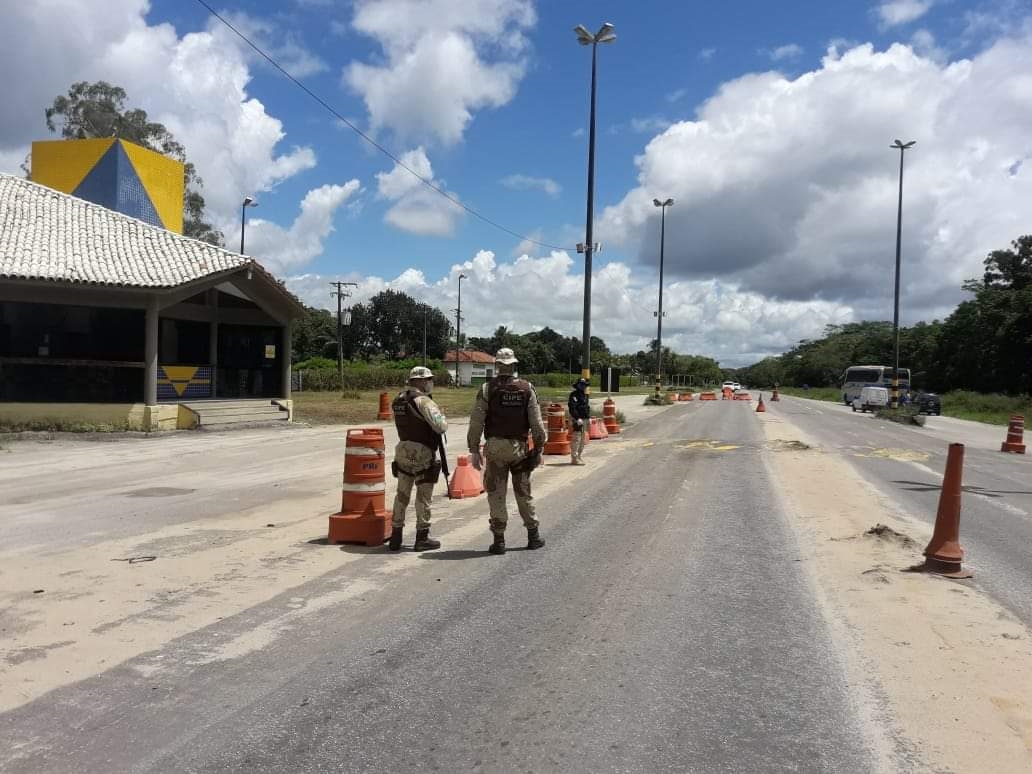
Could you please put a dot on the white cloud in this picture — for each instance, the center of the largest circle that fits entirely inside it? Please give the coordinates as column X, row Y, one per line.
column 650, row 124
column 417, row 208
column 435, row 70
column 786, row 188
column 788, row 51
column 526, row 182
column 196, row 85
column 283, row 250
column 895, row 12
column 708, row 317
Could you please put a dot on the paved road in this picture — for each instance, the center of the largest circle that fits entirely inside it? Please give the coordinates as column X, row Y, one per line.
column 907, row 463
column 666, row 626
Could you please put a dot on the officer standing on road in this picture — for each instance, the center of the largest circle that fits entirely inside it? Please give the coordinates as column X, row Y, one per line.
column 580, row 415
column 420, row 424
column 506, row 409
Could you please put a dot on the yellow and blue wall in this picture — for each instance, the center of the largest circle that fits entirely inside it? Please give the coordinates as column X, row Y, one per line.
column 116, row 174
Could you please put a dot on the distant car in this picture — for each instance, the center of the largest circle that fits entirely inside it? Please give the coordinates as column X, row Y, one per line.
column 928, row 403
column 733, row 386
column 871, row 398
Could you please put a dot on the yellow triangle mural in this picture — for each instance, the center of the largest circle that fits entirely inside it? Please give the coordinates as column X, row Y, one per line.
column 63, row 164
column 180, row 377
column 162, row 179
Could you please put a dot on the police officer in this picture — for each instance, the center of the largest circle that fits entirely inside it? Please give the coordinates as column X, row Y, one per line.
column 506, row 409
column 580, row 416
column 420, row 426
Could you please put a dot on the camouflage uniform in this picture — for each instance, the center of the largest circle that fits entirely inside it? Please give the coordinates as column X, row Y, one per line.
column 506, row 410
column 580, row 411
column 414, row 459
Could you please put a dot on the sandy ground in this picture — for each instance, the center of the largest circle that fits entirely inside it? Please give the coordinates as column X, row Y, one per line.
column 954, row 667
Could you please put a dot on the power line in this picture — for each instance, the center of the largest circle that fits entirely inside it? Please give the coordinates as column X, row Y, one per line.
column 429, row 184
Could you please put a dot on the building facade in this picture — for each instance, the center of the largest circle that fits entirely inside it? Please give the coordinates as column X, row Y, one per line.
column 105, row 317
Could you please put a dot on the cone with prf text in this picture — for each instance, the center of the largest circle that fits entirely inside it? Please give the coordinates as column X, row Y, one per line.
column 760, row 406
column 944, row 554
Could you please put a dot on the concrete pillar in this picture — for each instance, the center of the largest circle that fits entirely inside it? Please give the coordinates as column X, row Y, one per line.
column 150, row 379
column 285, row 347
column 213, row 340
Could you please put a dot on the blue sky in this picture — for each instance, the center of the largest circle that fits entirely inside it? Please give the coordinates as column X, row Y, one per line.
column 769, row 124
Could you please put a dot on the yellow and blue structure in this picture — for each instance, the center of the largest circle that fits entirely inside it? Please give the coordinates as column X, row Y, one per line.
column 116, row 174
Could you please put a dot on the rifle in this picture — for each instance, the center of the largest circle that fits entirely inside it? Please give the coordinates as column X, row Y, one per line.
column 444, row 464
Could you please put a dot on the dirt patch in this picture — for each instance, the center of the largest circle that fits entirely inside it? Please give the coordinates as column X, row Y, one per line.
column 885, row 532
column 779, row 444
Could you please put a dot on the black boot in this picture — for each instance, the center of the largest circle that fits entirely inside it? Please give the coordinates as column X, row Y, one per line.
column 395, row 544
column 424, row 541
column 498, row 546
column 534, row 540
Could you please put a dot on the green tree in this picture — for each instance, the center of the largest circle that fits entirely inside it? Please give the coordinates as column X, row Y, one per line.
column 96, row 110
column 311, row 334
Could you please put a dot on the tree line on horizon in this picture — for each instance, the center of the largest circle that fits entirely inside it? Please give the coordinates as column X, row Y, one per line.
column 984, row 345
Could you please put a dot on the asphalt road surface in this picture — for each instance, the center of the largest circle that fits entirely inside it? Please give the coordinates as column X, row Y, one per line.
column 667, row 625
column 907, row 463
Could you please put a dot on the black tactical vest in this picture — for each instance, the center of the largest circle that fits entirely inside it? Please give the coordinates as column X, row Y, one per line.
column 410, row 423
column 507, row 401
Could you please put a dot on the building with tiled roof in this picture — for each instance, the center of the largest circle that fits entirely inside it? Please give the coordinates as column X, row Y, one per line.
column 99, row 308
column 472, row 367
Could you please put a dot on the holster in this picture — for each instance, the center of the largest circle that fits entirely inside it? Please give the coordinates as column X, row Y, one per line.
column 528, row 463
column 394, row 468
column 431, row 475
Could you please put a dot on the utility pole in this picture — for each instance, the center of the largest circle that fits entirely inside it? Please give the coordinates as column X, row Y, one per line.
column 341, row 294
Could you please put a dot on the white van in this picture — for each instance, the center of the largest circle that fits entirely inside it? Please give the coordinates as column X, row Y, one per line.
column 871, row 398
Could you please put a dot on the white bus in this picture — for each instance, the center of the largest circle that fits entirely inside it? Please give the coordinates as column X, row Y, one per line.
column 855, row 378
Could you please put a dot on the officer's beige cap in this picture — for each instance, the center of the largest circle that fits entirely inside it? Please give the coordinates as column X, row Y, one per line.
column 505, row 356
column 420, row 372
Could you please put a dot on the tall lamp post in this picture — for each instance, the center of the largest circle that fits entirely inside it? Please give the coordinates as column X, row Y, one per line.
column 605, row 34
column 659, row 315
column 425, row 307
column 248, row 202
column 458, row 329
column 902, row 147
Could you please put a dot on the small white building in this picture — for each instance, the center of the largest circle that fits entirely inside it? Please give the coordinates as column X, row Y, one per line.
column 473, row 367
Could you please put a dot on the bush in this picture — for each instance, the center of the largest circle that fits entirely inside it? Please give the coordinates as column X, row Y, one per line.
column 358, row 378
column 314, row 363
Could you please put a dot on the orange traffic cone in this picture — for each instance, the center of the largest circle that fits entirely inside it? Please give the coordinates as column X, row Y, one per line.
column 760, row 407
column 385, row 406
column 1015, row 435
column 943, row 554
column 595, row 429
column 466, row 481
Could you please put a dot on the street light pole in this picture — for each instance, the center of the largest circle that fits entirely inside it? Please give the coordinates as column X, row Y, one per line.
column 902, row 147
column 605, row 34
column 424, row 333
column 458, row 329
column 248, row 202
column 659, row 315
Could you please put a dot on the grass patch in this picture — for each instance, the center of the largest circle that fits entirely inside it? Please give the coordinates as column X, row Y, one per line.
column 65, row 426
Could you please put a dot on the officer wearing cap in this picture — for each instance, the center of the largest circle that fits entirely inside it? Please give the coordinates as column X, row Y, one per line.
column 506, row 411
column 580, row 417
column 420, row 424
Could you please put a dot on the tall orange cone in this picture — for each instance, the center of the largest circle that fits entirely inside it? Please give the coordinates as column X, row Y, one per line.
column 760, row 407
column 943, row 554
column 385, row 406
column 1015, row 435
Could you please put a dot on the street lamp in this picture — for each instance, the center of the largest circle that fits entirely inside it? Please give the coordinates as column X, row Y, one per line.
column 248, row 202
column 458, row 329
column 659, row 315
column 605, row 34
column 425, row 308
column 901, row 146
